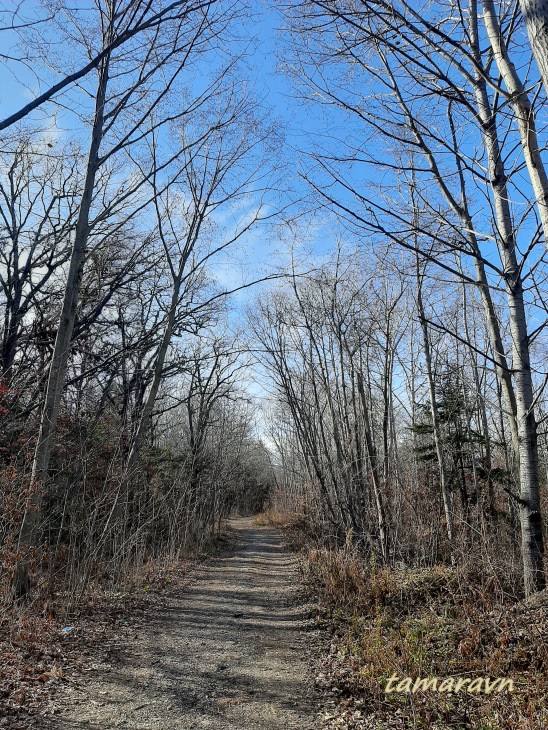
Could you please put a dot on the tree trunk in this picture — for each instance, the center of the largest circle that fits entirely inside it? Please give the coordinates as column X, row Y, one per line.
column 144, row 422
column 535, row 14
column 463, row 213
column 523, row 110
column 446, row 496
column 29, row 534
column 374, row 466
column 531, row 527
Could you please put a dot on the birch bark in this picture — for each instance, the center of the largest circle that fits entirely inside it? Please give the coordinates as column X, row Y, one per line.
column 531, row 527
column 523, row 110
column 535, row 14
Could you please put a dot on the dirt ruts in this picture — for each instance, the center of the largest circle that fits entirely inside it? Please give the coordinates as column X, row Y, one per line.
column 227, row 652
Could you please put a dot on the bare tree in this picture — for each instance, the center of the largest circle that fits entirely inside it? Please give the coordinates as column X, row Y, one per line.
column 134, row 20
column 37, row 209
column 119, row 127
column 227, row 167
column 401, row 52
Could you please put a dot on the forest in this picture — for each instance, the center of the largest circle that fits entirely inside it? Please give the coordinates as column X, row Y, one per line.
column 330, row 309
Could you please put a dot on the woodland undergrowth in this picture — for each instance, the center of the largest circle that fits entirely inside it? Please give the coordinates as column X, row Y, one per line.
column 442, row 621
column 47, row 642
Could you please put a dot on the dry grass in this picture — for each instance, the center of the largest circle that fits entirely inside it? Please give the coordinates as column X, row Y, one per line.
column 278, row 519
column 293, row 525
column 435, row 622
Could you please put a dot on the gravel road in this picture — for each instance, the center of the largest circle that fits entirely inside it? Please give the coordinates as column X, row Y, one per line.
column 227, row 652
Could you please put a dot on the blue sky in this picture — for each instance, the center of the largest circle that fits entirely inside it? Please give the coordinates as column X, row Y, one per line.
column 266, row 247
column 18, row 84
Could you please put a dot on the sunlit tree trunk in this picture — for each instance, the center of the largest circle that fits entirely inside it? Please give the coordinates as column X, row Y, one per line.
column 535, row 14
column 523, row 110
column 531, row 526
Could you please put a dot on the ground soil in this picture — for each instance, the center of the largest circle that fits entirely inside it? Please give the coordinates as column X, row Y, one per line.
column 229, row 651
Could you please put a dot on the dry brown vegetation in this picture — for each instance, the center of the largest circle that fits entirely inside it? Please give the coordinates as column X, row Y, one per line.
column 46, row 646
column 433, row 622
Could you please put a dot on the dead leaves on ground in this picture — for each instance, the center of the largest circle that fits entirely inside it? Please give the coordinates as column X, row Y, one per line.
column 430, row 634
column 37, row 657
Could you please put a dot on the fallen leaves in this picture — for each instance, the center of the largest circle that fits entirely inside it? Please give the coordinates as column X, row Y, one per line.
column 431, row 634
column 39, row 654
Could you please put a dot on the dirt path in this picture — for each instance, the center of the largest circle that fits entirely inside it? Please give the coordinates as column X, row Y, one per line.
column 228, row 652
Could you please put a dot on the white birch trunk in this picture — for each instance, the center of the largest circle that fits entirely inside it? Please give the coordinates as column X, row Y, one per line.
column 524, row 113
column 531, row 527
column 535, row 14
